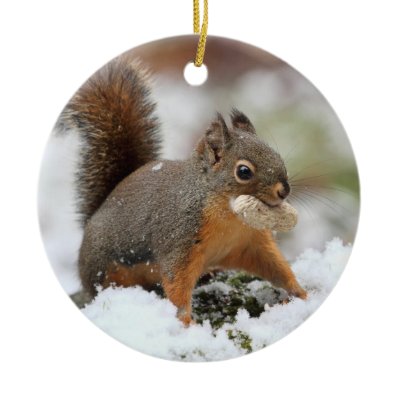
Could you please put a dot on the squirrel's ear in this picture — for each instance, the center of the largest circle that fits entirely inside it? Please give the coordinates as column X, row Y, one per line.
column 241, row 121
column 216, row 137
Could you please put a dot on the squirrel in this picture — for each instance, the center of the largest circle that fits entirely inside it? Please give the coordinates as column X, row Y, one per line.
column 147, row 220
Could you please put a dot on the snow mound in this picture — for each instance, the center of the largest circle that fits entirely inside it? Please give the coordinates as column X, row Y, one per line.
column 146, row 322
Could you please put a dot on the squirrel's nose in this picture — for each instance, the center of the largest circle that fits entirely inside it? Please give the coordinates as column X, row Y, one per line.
column 283, row 189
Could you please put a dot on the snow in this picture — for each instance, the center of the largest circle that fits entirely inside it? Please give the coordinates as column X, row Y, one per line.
column 59, row 224
column 318, row 221
column 144, row 321
column 290, row 107
column 215, row 287
column 157, row 166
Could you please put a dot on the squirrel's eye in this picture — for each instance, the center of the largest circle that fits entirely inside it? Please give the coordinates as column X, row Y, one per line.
column 244, row 171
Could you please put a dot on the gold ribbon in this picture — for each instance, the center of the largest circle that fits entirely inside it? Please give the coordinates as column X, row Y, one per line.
column 200, row 52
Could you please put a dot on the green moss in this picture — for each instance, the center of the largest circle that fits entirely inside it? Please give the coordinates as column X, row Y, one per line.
column 253, row 307
column 218, row 297
column 240, row 339
column 239, row 279
column 220, row 306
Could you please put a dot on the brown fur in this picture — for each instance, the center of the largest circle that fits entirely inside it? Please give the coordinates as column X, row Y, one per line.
column 179, row 288
column 229, row 244
column 145, row 275
column 115, row 118
column 224, row 242
column 174, row 215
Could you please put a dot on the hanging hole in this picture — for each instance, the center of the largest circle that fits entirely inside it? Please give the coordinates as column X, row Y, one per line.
column 195, row 75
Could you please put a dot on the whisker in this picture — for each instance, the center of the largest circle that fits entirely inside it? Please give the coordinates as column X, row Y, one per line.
column 292, row 180
column 303, row 203
column 287, row 158
column 321, row 187
column 268, row 132
column 312, row 165
column 323, row 202
column 331, row 204
column 275, row 143
column 311, row 190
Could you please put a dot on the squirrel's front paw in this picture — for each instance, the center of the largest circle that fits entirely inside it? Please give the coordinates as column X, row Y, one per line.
column 185, row 317
column 299, row 292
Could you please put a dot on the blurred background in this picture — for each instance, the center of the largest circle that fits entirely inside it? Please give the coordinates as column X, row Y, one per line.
column 287, row 111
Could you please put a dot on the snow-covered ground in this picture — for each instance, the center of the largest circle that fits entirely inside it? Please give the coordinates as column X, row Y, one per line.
column 146, row 322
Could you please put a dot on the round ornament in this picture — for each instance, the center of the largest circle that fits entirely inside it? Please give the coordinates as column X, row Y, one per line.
column 203, row 221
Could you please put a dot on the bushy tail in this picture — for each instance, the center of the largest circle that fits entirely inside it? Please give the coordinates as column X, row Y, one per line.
column 114, row 115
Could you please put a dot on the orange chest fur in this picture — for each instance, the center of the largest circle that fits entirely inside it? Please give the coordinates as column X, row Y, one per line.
column 223, row 234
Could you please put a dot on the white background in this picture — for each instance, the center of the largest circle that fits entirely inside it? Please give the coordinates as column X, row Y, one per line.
column 348, row 347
